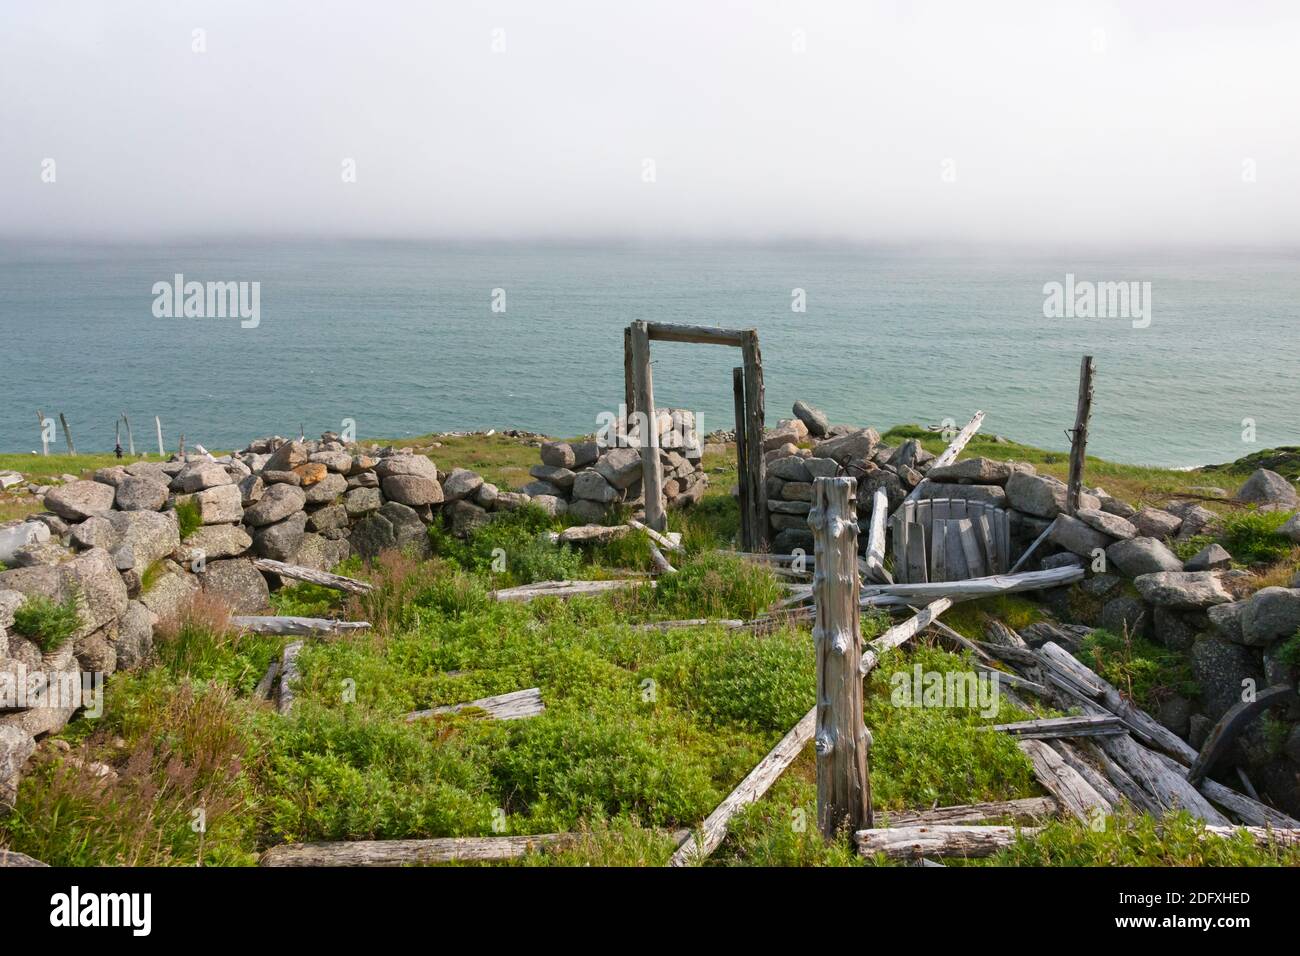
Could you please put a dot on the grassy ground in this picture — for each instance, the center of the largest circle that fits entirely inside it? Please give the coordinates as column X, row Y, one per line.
column 644, row 732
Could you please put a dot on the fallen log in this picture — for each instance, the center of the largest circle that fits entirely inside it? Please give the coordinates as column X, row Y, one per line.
column 1028, row 808
column 1063, row 782
column 875, row 556
column 964, row 841
column 288, row 674
column 326, row 580
column 513, row 706
column 1247, row 809
column 263, row 689
column 978, row 587
column 693, row 622
column 1051, row 727
column 1072, row 755
column 296, row 626
column 406, row 852
column 1170, row 789
column 671, row 541
column 757, row 782
column 565, row 589
column 660, row 562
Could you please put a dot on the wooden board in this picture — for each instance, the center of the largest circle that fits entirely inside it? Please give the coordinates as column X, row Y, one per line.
column 512, row 706
column 916, row 565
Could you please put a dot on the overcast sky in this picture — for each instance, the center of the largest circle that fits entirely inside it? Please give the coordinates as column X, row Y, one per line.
column 1024, row 121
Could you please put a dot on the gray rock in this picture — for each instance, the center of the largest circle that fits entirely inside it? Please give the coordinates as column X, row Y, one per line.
column 509, row 501
column 778, row 506
column 1113, row 506
column 558, row 454
column 270, row 477
column 143, row 537
column 486, row 494
column 588, row 512
column 1198, row 730
column 327, row 489
column 44, row 552
column 1042, row 495
column 1154, row 523
column 339, row 462
column 220, row 505
column 280, row 541
column 78, row 500
column 1220, row 668
column 591, row 486
column 371, row 535
column 1142, row 555
column 1107, row 523
column 989, row 494
column 797, row 491
column 1126, row 615
column 140, row 494
column 1269, row 488
column 791, row 540
column 251, row 489
column 112, row 475
column 413, row 490
column 1291, row 530
column 1197, row 520
column 585, row 453
column 287, row 457
column 1270, row 614
column 134, row 641
column 561, row 478
column 1175, row 714
column 553, row 505
column 409, row 532
column 858, row 445
column 199, row 476
column 536, row 489
column 821, row 467
column 1226, row 619
column 621, row 467
column 1176, row 630
column 417, row 465
column 1078, row 537
column 1062, row 559
column 212, row 542
column 814, row 419
column 236, row 583
column 464, row 517
column 16, row 745
column 1212, row 557
column 18, row 536
column 790, row 468
column 170, row 593
column 981, row 471
column 1182, row 589
column 462, row 483
column 278, row 502
column 328, row 518
column 360, row 501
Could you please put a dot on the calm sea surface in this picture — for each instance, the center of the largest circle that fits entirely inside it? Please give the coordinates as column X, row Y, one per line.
column 401, row 337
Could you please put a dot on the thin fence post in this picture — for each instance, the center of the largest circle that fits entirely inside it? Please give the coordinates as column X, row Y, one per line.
column 841, row 738
column 67, row 435
column 651, row 470
column 1079, row 435
column 742, row 461
column 45, row 441
column 130, row 439
column 162, row 452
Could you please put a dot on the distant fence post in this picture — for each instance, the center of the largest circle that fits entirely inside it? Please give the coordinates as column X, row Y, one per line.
column 45, row 441
column 1079, row 435
column 130, row 439
column 842, row 741
column 747, row 536
column 162, row 452
column 67, row 435
column 652, row 479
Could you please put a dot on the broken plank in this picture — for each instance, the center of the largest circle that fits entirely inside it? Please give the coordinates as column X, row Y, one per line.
column 875, row 557
column 918, row 841
column 1065, row 783
column 295, row 626
column 663, row 540
column 1169, row 788
column 336, row 581
column 1028, row 808
column 288, row 674
column 512, row 706
column 1051, row 727
column 978, row 587
column 406, row 852
column 949, row 454
column 566, row 589
column 901, row 633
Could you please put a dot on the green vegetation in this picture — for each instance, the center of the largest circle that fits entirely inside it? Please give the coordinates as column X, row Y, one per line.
column 1143, row 671
column 1288, row 651
column 1252, row 537
column 48, row 623
column 189, row 516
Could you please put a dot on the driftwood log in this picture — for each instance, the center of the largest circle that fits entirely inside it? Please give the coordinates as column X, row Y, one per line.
column 978, row 587
column 513, row 706
column 1045, row 728
column 1028, row 808
column 566, row 589
column 406, row 852
column 336, row 581
column 918, row 841
column 1063, row 782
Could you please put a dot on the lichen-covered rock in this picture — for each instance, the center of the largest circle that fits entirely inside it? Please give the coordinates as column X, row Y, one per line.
column 981, row 471
column 16, row 745
column 858, row 445
column 417, row 465
column 1042, row 495
column 279, row 541
column 558, row 454
column 278, row 502
column 78, row 500
column 1212, row 557
column 362, row 501
column 371, row 535
column 326, row 490
column 18, row 536
column 237, row 584
column 1107, row 523
column 1182, row 589
column 1269, row 488
column 328, row 518
column 1270, row 614
column 814, row 420
column 1142, row 555
column 199, row 476
column 621, row 467
column 170, row 592
column 134, row 641
column 143, row 537
column 413, row 490
column 464, row 517
column 220, row 505
column 140, row 494
column 1221, row 668
column 1155, row 523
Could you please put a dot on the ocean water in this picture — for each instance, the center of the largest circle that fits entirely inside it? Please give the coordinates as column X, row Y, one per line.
column 401, row 337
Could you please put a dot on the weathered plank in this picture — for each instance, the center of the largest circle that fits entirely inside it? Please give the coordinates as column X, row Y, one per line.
column 919, row 841
column 566, row 589
column 949, row 454
column 843, row 781
column 1029, row 551
column 1028, row 808
column 407, row 852
column 901, row 633
column 652, row 478
column 336, row 581
column 515, row 705
column 288, row 674
column 747, row 535
column 875, row 557
column 1079, row 435
column 663, row 540
column 1051, row 727
column 978, row 587
column 295, row 626
column 1062, row 781
column 755, row 404
column 1169, row 788
column 695, row 334
column 1230, row 726
column 264, row 686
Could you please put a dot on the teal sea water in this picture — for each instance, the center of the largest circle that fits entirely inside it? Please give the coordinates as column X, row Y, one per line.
column 401, row 338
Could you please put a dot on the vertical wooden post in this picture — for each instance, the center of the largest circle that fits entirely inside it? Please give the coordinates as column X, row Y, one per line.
column 162, row 452
column 629, row 380
column 45, row 442
column 651, row 473
column 842, row 742
column 757, row 471
column 180, row 449
column 1079, row 436
column 67, row 435
column 742, row 460
column 117, row 432
column 130, row 439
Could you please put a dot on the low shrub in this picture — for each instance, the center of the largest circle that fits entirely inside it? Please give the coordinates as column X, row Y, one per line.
column 46, row 622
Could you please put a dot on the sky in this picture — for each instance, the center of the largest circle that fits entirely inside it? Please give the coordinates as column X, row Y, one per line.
column 1109, row 123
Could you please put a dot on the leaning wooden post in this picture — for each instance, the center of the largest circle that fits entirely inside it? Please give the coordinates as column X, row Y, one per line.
column 652, row 481
column 1079, row 436
column 157, row 423
column 842, row 741
column 130, row 439
column 742, row 461
column 629, row 380
column 754, row 441
column 67, row 435
column 45, row 442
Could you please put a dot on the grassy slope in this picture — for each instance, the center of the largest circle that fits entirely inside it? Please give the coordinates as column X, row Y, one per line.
column 644, row 731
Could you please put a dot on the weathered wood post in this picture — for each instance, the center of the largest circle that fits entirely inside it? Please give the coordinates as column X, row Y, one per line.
column 629, row 379
column 162, row 452
column 757, row 470
column 130, row 439
column 67, row 435
column 841, row 738
column 652, row 482
column 45, row 442
column 1079, row 436
column 742, row 461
